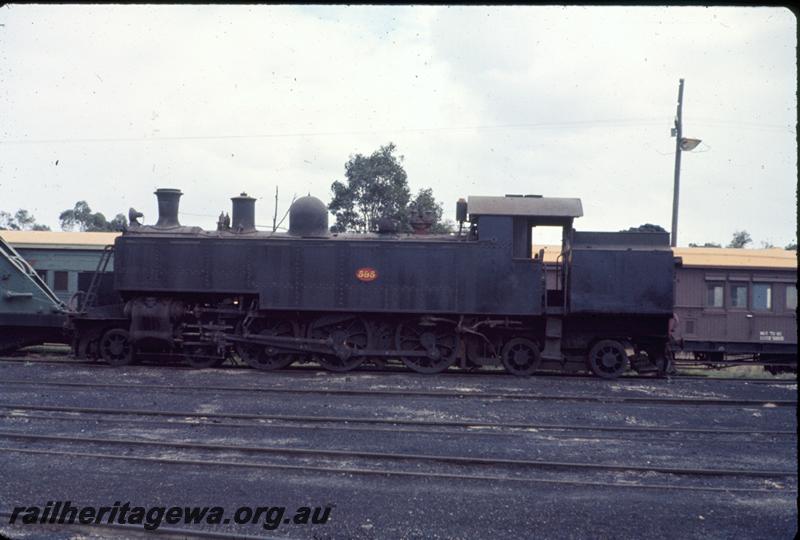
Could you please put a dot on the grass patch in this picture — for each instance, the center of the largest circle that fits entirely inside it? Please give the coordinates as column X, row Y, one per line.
column 736, row 372
column 47, row 349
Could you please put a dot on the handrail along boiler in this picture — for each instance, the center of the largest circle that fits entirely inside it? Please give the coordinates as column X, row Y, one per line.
column 476, row 298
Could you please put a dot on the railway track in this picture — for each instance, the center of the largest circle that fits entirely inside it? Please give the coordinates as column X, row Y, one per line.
column 731, row 438
column 411, row 393
column 313, row 369
column 397, row 456
column 112, row 442
column 457, row 460
column 351, row 423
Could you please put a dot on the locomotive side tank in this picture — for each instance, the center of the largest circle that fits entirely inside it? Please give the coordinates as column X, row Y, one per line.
column 311, row 269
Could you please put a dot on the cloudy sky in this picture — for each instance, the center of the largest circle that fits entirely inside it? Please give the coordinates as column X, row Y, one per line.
column 106, row 103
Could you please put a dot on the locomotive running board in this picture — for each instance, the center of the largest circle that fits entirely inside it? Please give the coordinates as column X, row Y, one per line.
column 321, row 346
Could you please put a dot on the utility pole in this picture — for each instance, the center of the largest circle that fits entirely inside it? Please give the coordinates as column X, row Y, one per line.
column 678, row 134
column 275, row 215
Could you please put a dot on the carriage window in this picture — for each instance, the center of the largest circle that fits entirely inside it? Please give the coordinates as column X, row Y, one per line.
column 690, row 326
column 60, row 281
column 762, row 296
column 42, row 275
column 714, row 295
column 791, row 297
column 739, row 296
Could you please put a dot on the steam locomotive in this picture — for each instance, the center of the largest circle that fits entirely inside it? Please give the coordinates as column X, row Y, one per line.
column 477, row 298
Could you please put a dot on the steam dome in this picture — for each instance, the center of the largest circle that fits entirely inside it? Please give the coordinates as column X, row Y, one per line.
column 308, row 216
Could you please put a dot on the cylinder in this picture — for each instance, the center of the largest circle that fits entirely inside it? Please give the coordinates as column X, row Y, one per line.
column 243, row 216
column 168, row 202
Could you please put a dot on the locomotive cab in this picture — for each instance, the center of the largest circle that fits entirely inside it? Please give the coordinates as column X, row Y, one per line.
column 511, row 220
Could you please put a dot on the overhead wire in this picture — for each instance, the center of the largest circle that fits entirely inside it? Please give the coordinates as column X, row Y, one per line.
column 618, row 122
column 563, row 124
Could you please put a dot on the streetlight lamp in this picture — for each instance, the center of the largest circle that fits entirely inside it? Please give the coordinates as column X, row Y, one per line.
column 681, row 144
column 689, row 144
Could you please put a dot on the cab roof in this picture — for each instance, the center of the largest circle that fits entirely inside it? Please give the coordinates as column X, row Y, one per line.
column 536, row 210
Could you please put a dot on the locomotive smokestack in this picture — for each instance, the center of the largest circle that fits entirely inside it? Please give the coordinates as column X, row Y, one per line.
column 168, row 200
column 244, row 213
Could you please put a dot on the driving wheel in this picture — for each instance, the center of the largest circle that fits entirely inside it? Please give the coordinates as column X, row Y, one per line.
column 521, row 356
column 608, row 359
column 437, row 340
column 266, row 357
column 346, row 335
column 116, row 348
column 200, row 357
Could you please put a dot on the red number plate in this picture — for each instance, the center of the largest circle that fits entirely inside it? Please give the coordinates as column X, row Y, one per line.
column 366, row 274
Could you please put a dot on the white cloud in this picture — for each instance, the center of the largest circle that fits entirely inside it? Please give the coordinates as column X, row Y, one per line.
column 599, row 84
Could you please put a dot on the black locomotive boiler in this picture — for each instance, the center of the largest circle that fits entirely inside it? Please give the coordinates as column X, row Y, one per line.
column 473, row 299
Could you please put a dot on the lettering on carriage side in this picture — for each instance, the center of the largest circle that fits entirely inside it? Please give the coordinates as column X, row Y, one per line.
column 770, row 335
column 366, row 273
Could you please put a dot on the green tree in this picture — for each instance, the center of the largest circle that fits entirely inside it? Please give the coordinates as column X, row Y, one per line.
column 7, row 222
column 647, row 227
column 80, row 215
column 425, row 203
column 792, row 245
column 87, row 221
column 119, row 222
column 740, row 239
column 22, row 220
column 376, row 186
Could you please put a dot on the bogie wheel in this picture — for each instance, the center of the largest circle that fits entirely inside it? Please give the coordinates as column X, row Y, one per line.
column 200, row 357
column 521, row 356
column 438, row 340
column 608, row 359
column 265, row 357
column 346, row 334
column 116, row 348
